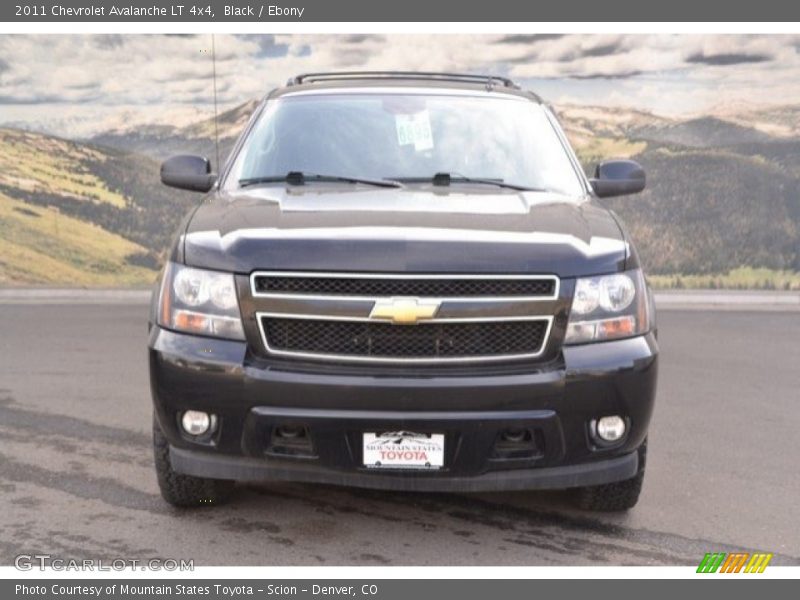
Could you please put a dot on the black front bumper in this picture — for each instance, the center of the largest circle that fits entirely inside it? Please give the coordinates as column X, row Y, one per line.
column 335, row 405
column 203, row 464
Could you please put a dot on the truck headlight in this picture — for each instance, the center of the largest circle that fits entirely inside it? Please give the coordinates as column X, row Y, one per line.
column 200, row 302
column 609, row 307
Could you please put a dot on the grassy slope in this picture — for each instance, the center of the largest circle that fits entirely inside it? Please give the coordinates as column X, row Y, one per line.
column 41, row 246
column 710, row 217
column 67, row 214
column 709, row 211
column 32, row 161
column 743, row 278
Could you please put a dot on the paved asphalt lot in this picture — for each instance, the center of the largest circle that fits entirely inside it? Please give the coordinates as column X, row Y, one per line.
column 76, row 476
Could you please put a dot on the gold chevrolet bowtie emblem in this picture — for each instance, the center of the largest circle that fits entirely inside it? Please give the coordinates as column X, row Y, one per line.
column 404, row 311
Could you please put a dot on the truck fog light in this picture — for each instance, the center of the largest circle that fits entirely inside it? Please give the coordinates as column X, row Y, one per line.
column 611, row 429
column 515, row 436
column 196, row 422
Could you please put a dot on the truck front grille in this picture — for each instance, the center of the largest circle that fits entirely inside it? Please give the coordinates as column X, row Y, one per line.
column 399, row 285
column 432, row 340
column 404, row 318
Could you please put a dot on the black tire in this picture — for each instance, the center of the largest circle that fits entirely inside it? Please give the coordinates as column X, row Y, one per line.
column 185, row 490
column 617, row 496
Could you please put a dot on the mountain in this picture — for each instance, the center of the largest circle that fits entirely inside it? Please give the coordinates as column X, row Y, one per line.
column 720, row 195
column 583, row 122
column 703, row 132
column 229, row 123
column 723, row 192
column 79, row 214
column 707, row 211
column 163, row 141
column 706, row 131
column 782, row 121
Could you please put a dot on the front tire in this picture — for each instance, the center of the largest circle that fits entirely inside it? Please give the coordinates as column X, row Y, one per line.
column 617, row 496
column 185, row 490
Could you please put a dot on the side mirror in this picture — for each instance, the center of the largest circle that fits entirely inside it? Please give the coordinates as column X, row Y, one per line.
column 618, row 178
column 188, row 173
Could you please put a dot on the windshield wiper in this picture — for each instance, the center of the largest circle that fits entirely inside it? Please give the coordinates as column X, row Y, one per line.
column 445, row 179
column 300, row 178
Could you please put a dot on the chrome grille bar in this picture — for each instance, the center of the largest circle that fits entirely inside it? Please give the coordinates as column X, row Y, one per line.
column 292, row 309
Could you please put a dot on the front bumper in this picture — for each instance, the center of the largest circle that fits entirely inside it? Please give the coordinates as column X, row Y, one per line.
column 336, row 404
column 203, row 464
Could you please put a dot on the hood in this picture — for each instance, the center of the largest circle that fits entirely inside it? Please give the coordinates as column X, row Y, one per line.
column 424, row 230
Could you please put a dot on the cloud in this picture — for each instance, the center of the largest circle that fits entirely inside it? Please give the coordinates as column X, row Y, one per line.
column 110, row 41
column 268, row 46
column 300, row 51
column 619, row 75
column 350, row 57
column 352, row 51
column 29, row 100
column 361, row 38
column 81, row 85
column 725, row 60
column 529, row 38
column 603, row 50
column 159, row 75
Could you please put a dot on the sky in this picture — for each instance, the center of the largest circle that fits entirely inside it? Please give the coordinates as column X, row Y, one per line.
column 79, row 85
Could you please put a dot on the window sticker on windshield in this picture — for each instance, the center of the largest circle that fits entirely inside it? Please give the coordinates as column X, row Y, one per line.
column 415, row 129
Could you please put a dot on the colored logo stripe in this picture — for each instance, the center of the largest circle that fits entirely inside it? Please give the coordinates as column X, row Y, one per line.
column 711, row 562
column 758, row 563
column 734, row 562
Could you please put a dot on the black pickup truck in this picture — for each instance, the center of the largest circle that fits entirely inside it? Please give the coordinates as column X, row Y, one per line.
column 403, row 281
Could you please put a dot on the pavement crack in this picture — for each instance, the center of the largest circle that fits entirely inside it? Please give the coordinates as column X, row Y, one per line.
column 81, row 485
column 46, row 424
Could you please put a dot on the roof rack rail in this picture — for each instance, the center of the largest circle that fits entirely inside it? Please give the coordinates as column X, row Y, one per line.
column 488, row 80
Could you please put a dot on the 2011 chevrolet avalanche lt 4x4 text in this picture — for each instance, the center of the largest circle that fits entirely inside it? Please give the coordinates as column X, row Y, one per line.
column 403, row 281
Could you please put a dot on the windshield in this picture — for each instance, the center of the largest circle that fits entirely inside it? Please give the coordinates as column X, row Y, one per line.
column 407, row 137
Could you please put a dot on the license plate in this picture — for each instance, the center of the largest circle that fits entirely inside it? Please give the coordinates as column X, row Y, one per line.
column 404, row 450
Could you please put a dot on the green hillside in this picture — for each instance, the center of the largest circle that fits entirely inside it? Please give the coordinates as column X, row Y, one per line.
column 162, row 141
column 77, row 214
column 722, row 205
column 41, row 246
column 712, row 210
column 32, row 162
